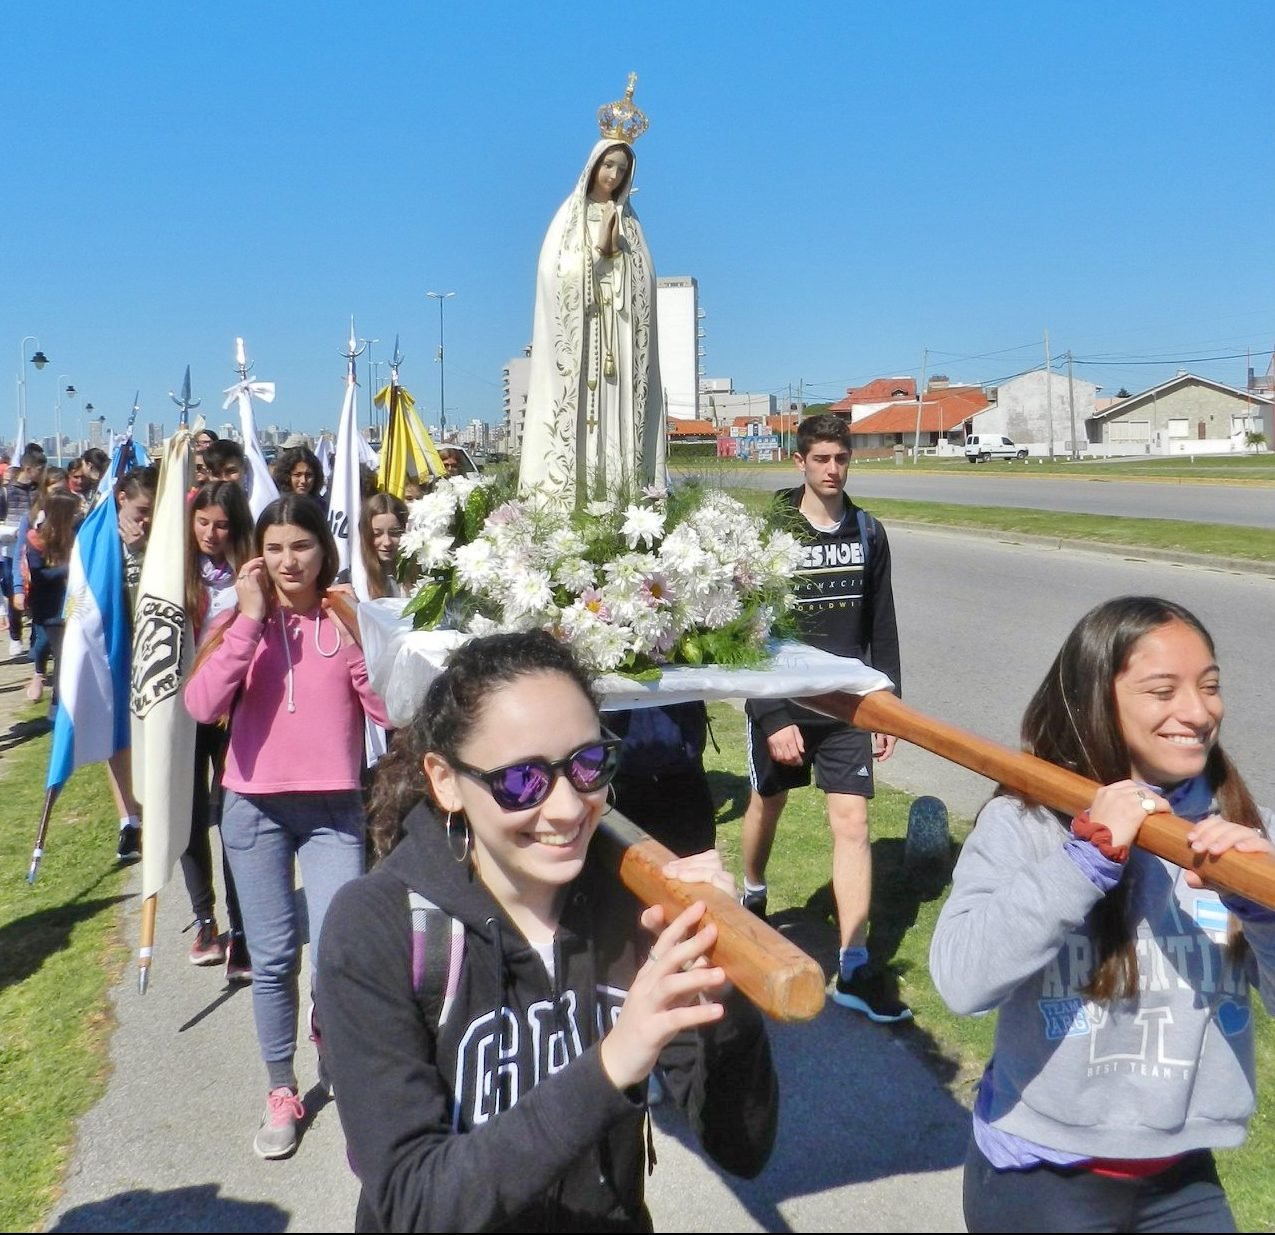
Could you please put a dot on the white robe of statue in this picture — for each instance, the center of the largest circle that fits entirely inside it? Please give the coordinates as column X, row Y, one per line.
column 594, row 425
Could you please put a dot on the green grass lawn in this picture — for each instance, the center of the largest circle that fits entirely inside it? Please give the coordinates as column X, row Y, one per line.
column 905, row 910
column 1216, row 469
column 60, row 950
column 1213, row 539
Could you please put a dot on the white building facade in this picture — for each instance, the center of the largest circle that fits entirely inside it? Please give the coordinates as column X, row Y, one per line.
column 677, row 333
column 1035, row 410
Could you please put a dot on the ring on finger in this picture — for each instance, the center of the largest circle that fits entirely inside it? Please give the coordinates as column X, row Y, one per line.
column 652, row 955
column 1147, row 802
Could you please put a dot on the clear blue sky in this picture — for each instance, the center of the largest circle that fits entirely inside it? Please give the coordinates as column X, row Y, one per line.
column 849, row 183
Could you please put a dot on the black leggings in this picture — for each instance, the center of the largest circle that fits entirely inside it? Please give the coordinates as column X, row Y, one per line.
column 1186, row 1197
column 197, row 868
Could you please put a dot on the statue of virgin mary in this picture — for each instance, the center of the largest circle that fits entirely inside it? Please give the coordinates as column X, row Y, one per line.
column 594, row 426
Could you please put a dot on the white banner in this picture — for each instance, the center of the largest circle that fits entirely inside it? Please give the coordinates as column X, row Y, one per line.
column 163, row 650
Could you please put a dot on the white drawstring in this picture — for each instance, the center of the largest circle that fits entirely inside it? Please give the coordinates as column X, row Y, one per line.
column 318, row 647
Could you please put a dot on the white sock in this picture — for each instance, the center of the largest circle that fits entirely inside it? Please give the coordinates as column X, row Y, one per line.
column 129, row 821
column 756, row 888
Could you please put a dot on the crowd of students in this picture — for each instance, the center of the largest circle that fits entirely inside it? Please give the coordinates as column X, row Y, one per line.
column 491, row 1009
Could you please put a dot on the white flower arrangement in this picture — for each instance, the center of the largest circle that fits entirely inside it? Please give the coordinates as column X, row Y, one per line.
column 688, row 578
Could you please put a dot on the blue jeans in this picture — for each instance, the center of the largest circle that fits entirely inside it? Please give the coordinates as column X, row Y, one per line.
column 264, row 836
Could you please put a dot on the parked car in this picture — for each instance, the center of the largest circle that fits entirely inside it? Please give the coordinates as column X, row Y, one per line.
column 979, row 447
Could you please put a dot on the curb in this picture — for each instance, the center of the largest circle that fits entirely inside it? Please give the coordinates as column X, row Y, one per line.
column 1207, row 561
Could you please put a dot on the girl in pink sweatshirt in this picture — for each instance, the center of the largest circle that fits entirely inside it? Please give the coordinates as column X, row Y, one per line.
column 292, row 679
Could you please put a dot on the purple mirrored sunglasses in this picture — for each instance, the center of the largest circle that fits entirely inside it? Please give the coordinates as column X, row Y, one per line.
column 527, row 783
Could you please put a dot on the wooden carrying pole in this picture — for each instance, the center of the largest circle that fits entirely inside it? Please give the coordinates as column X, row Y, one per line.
column 146, row 950
column 1249, row 874
column 775, row 974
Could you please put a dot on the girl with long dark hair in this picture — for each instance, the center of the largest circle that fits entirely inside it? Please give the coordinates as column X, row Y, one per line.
column 291, row 677
column 491, row 1008
column 1124, row 1040
column 220, row 544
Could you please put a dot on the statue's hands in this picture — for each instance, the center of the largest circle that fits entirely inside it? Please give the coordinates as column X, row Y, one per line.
column 610, row 245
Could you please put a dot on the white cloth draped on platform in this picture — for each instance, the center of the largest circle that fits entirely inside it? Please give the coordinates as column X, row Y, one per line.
column 402, row 662
column 595, row 406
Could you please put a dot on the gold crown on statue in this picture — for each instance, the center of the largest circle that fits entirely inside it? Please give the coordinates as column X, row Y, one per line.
column 621, row 121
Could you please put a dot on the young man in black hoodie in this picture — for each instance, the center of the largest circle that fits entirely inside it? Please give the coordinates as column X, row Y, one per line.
column 845, row 605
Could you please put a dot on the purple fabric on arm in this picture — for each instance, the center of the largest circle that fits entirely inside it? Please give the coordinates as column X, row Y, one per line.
column 1101, row 871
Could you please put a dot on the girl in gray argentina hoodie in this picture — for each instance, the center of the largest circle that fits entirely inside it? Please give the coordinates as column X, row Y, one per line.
column 1124, row 1042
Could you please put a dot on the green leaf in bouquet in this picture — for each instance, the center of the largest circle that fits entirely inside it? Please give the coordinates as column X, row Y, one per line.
column 472, row 516
column 689, row 650
column 427, row 606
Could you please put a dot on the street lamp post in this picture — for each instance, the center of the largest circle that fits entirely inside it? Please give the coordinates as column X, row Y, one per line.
column 442, row 387
column 89, row 409
column 57, row 412
column 371, row 381
column 39, row 359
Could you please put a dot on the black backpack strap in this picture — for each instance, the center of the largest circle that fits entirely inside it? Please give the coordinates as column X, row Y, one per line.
column 438, row 951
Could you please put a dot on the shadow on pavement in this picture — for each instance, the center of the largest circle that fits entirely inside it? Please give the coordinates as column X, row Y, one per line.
column 858, row 1101
column 26, row 943
column 197, row 1208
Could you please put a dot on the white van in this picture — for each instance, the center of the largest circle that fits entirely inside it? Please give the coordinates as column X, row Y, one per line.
column 979, row 447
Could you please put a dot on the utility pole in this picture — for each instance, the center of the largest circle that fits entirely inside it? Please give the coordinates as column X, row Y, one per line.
column 920, row 403
column 1049, row 394
column 1071, row 401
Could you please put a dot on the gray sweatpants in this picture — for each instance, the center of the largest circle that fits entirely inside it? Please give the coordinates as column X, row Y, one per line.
column 265, row 835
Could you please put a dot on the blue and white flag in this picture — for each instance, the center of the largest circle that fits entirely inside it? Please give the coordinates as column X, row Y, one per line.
column 126, row 454
column 92, row 721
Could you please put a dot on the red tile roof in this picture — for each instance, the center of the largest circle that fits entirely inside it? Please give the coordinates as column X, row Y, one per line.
column 942, row 411
column 691, row 428
column 879, row 390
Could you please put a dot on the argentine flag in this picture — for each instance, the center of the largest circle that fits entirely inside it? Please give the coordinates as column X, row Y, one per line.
column 92, row 721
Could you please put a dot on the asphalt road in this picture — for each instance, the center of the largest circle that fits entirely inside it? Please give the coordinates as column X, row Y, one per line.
column 982, row 618
column 1003, row 484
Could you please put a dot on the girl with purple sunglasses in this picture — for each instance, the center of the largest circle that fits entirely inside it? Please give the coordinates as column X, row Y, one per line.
column 492, row 1003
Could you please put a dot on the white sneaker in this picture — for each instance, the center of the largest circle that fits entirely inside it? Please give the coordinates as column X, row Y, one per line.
column 16, row 648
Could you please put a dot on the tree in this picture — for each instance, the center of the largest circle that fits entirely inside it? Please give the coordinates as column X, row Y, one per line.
column 1122, row 393
column 1256, row 440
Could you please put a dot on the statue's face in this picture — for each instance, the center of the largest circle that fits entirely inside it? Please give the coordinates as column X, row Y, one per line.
column 610, row 173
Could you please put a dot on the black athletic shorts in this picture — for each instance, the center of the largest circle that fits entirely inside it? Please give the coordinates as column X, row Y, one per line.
column 840, row 755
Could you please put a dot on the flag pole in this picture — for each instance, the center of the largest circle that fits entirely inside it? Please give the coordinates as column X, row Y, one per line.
column 185, row 402
column 146, row 948
column 42, row 832
column 391, row 418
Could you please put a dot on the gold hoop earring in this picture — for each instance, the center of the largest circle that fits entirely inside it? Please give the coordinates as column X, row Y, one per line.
column 463, row 856
column 610, row 806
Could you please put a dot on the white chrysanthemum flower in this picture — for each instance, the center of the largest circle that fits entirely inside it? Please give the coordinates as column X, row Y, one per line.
column 527, row 593
column 642, row 525
column 477, row 564
column 628, row 567
column 603, row 647
column 434, row 553
column 564, row 542
column 599, row 510
column 575, row 574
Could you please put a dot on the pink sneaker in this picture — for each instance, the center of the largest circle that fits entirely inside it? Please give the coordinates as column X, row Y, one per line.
column 277, row 1135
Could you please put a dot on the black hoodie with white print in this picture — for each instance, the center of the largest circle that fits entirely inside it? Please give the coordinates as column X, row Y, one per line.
column 499, row 1115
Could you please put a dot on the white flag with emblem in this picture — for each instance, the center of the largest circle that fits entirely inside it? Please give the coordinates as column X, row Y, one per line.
column 163, row 650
